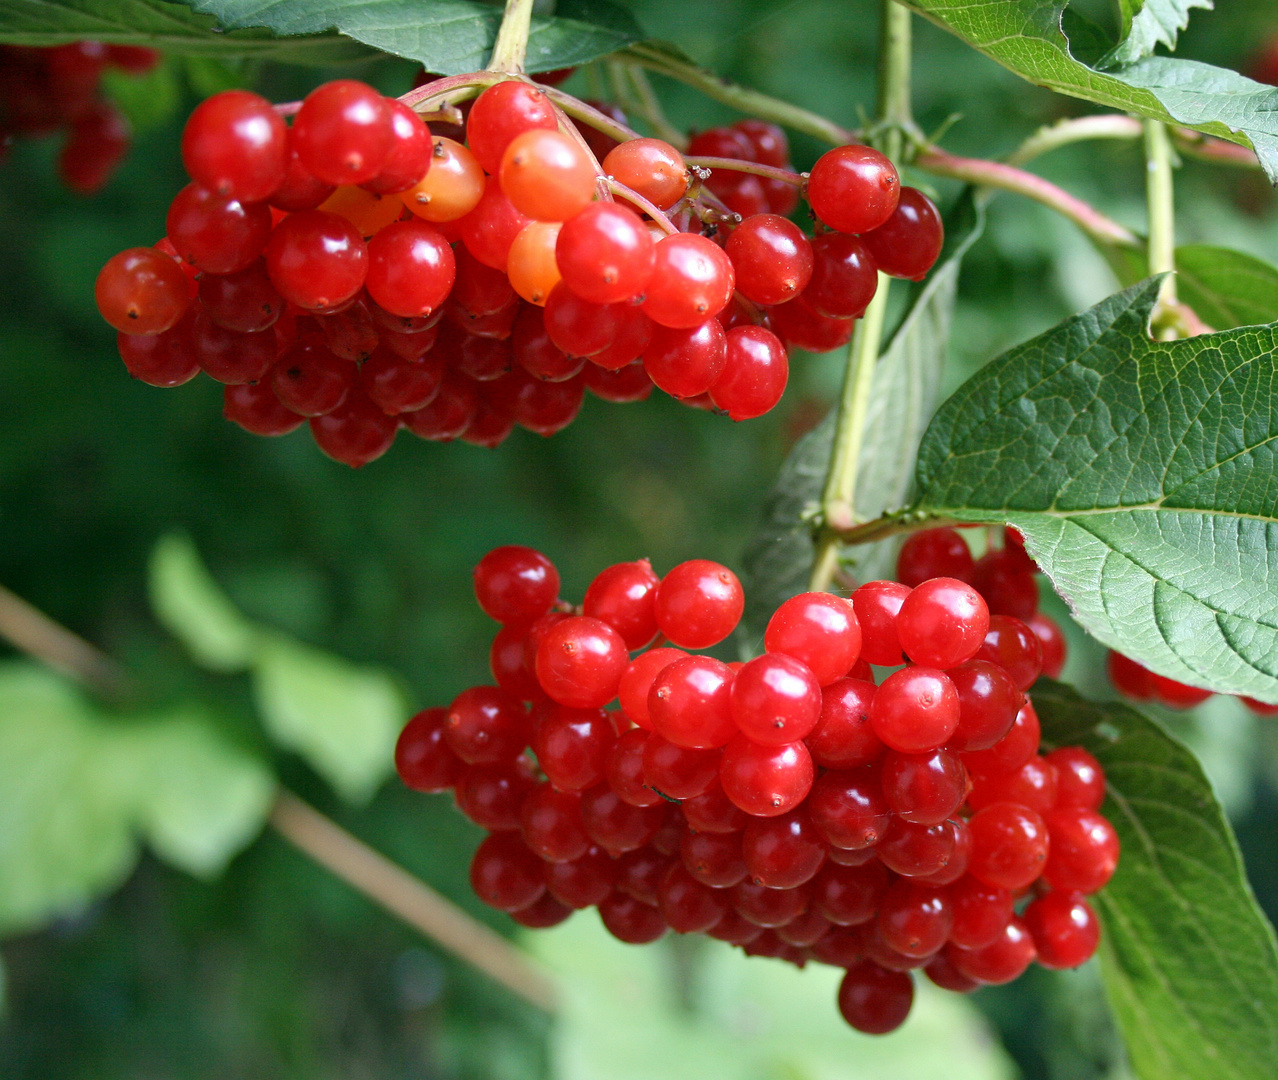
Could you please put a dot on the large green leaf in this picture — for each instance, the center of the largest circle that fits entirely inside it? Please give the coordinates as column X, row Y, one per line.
column 171, row 27
column 1189, row 961
column 1030, row 38
column 447, row 36
column 778, row 559
column 77, row 788
column 1141, row 474
column 1150, row 23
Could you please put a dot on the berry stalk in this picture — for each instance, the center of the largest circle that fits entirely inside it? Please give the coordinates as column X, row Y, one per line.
column 1162, row 226
column 511, row 45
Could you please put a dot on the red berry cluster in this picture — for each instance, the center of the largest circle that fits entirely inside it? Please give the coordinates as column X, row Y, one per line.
column 355, row 270
column 1138, row 683
column 43, row 91
column 789, row 805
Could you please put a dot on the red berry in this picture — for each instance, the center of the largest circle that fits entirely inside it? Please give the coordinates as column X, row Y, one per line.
column 844, row 277
column 853, row 189
column 515, row 584
column 625, row 769
column 410, row 154
column 988, row 703
column 229, row 356
column 769, row 907
column 616, row 825
column 573, row 746
column 397, row 386
column 874, row 1000
column 819, row 629
column 410, row 268
column 775, row 699
column 1084, row 850
column 766, row 780
column 801, row 326
column 354, row 433
column 915, row 710
column 236, row 144
column 1013, row 750
column 699, row 603
column 1080, row 778
column 582, row 882
column 141, row 291
column 923, row 788
column 1129, row 678
column 850, row 895
column 713, row 812
column 1007, row 587
column 687, row 905
column 849, row 808
column 686, row 362
column 504, row 874
column 689, row 703
column 343, row 133
column 771, row 257
column 623, row 596
column 1015, row 647
column 310, row 380
column 1064, row 928
column 755, row 371
column 783, row 852
column 316, row 259
column 577, row 326
column 877, row 604
column 1052, row 639
column 630, row 921
column 933, row 553
column 552, row 825
column 908, row 243
column 501, row 113
column 423, row 758
column 942, row 623
column 914, row 919
column 486, row 726
column 1009, row 845
column 492, row 796
column 651, row 168
column 489, row 230
column 637, row 680
column 678, row 772
column 244, row 301
column 1001, row 961
column 256, row 409
column 1176, row 695
column 1033, row 785
column 844, row 737
column 580, row 662
column 691, row 281
column 981, row 912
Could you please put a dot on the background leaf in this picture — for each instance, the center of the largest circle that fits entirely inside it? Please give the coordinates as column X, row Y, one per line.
column 1227, row 288
column 907, row 380
column 1027, row 37
column 1140, row 473
column 1189, row 961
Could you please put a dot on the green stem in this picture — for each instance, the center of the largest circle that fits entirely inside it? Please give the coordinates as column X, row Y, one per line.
column 511, row 45
column 894, row 76
column 838, row 501
column 1162, row 221
column 1053, row 136
column 799, row 180
column 750, row 102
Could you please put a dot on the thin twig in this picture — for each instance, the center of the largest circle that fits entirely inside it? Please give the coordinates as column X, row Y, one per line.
column 1075, row 129
column 34, row 633
column 410, row 899
column 770, row 172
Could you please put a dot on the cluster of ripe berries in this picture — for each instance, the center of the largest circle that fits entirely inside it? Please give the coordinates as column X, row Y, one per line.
column 359, row 270
column 801, row 805
column 43, row 91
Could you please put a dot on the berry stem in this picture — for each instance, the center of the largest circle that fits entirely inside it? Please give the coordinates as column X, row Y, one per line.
column 1053, row 136
column 1162, row 226
column 511, row 45
column 750, row 102
column 752, row 167
column 838, row 501
column 589, row 116
column 633, row 197
column 1102, row 229
column 894, row 76
column 449, row 90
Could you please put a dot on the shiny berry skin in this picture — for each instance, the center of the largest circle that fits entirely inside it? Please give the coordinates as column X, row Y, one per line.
column 489, row 230
column 689, row 703
column 582, row 882
column 552, row 826
column 1009, row 845
column 624, row 769
column 850, row 895
column 504, row 874
column 316, row 259
column 651, row 168
column 819, row 629
column 844, row 277
column 410, row 268
column 874, row 1000
column 501, row 113
column 914, row 919
column 623, row 596
column 945, row 975
column 515, row 584
column 981, row 912
column 452, row 186
column 877, row 604
column 492, row 796
column 1052, row 639
column 1064, row 928
column 310, row 380
column 486, row 726
column 450, row 412
column 606, row 254
column 423, row 758
column 849, row 809
column 775, row 699
column 531, row 264
column 625, row 385
column 1015, row 647
column 1001, row 961
column 546, row 175
column 942, row 623
column 542, row 913
column 637, row 680
column 691, row 281
column 956, row 865
column 343, row 133
column 630, row 921
column 299, row 190
column 256, row 409
column 98, row 141
column 640, row 872
column 396, row 386
column 783, row 852
column 236, row 145
column 678, row 772
column 713, row 812
column 687, row 362
column 801, row 326
column 853, row 189
column 755, row 371
column 228, row 356
column 1084, row 850
column 1080, row 780
column 244, row 301
column 506, row 661
column 573, row 746
column 1013, row 750
column 766, row 907
column 216, row 234
column 1176, row 695
column 917, row 850
column 766, row 781
column 354, row 433
column 1007, row 587
column 411, row 150
column 923, row 788
column 806, row 930
column 771, row 257
column 915, row 710
column 699, row 603
column 933, row 553
column 580, row 662
column 141, row 291
column 844, row 737
column 687, row 905
column 1033, row 785
column 616, row 825
column 908, row 243
column 1130, row 679
column 988, row 703
column 577, row 326
column 633, row 330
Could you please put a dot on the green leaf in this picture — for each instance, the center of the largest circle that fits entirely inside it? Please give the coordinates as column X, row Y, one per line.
column 171, row 27
column 77, row 788
column 448, row 37
column 1227, row 288
column 193, row 607
column 342, row 718
column 1140, row 473
column 1189, row 961
column 1150, row 23
column 1029, row 37
column 621, row 1017
column 778, row 559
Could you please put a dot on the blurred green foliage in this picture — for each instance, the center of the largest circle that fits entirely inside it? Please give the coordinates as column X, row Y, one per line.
column 274, row 969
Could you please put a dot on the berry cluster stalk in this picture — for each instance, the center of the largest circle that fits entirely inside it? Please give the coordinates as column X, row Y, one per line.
column 511, row 45
column 1162, row 226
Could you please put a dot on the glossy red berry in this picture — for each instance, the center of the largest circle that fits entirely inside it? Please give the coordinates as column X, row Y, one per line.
column 923, row 788
column 616, row 825
column 490, row 229
column 875, row 1000
column 492, row 796
column 678, row 772
column 914, row 919
column 844, row 737
column 216, row 234
column 631, row 921
column 354, row 433
column 651, row 168
column 577, row 326
column 801, row 326
column 988, row 703
column 689, row 907
column 783, row 852
column 1006, row 584
column 551, row 824
column 515, row 584
column 689, row 703
column 908, row 243
column 933, row 553
column 771, row 257
column 1033, row 785
column 504, row 874
column 699, row 603
column 1080, row 778
column 1013, row 750
column 877, row 604
column 1052, row 640
column 316, row 259
column 755, row 371
column 775, row 699
column 766, row 780
column 819, row 629
column 582, row 882
column 691, row 281
column 623, row 596
column 713, row 812
column 849, row 809
column 686, row 362
column 850, row 895
column 256, row 409
column 1009, row 845
column 244, row 301
column 573, row 746
column 637, row 680
column 1065, row 930
column 853, row 189
column 917, row 850
column 769, row 907
column 410, row 268
column 501, row 113
column 486, row 726
column 1084, row 850
column 1015, row 647
column 343, row 133
column 844, row 277
column 1001, row 961
column 942, row 623
column 981, row 911
column 915, row 710
column 236, row 144
column 410, row 154
column 141, row 291
column 580, row 662
column 423, row 758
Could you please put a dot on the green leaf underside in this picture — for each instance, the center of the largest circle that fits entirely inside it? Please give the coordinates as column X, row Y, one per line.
column 1142, row 476
column 77, row 789
column 1189, row 961
column 171, row 27
column 448, row 37
column 1151, row 23
column 1227, row 288
column 1026, row 36
column 778, row 560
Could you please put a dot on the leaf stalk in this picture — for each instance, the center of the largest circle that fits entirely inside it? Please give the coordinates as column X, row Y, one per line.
column 1160, row 198
column 511, row 46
